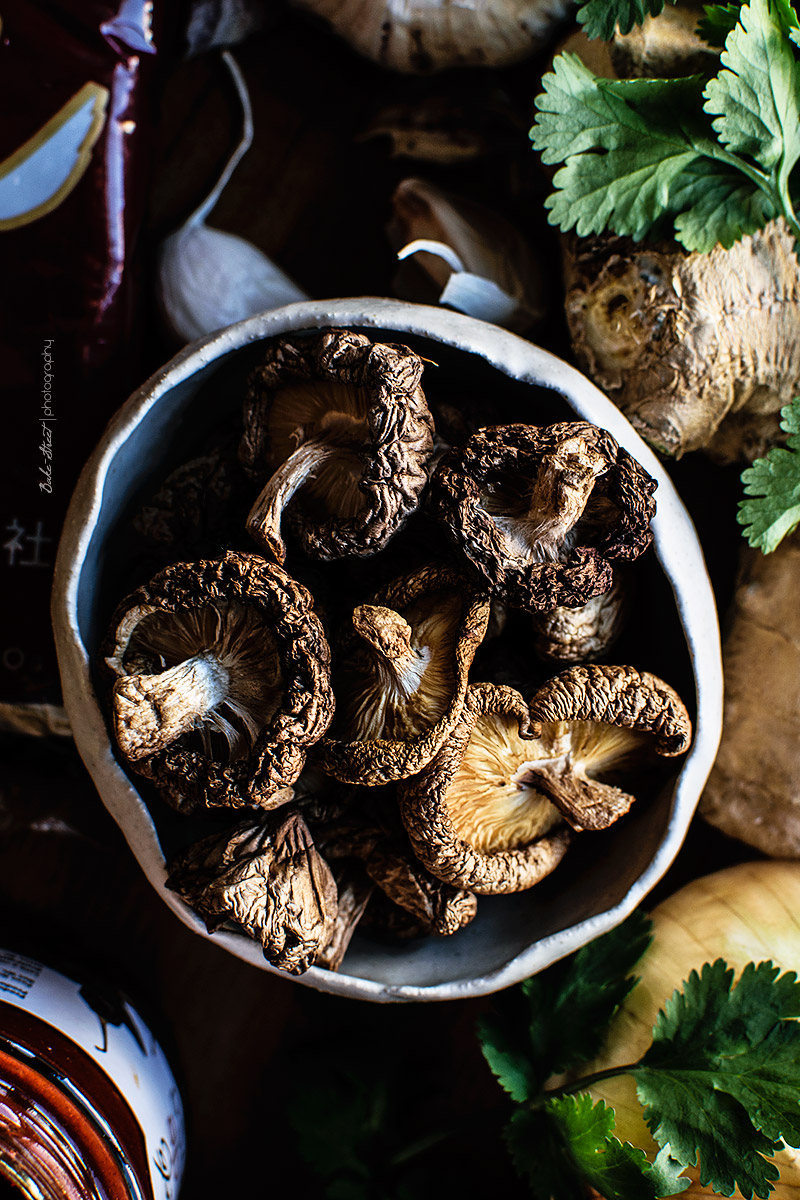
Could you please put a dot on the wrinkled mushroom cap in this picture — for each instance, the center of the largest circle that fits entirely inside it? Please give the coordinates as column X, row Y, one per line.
column 487, row 813
column 402, row 676
column 436, row 907
column 578, row 635
column 540, row 513
column 221, row 681
column 341, row 425
column 268, row 878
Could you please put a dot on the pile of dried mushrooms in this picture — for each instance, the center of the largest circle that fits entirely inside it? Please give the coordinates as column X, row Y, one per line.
column 374, row 777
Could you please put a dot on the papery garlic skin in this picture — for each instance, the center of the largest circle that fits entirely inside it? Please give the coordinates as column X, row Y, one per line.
column 209, row 279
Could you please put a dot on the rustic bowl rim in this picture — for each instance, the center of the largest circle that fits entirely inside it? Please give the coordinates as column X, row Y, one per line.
column 676, row 544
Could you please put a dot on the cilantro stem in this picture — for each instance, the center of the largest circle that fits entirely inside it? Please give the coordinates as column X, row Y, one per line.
column 788, row 207
column 421, row 1146
column 580, row 1085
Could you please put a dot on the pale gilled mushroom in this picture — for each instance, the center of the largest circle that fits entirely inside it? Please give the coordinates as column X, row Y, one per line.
column 270, row 879
column 222, row 681
column 339, row 428
column 541, row 513
column 488, row 812
column 402, row 675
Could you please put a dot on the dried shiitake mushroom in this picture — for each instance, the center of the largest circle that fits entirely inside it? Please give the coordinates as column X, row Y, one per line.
column 222, row 681
column 355, row 890
column 339, row 428
column 488, row 812
column 401, row 676
column 436, row 907
column 540, row 513
column 578, row 635
column 270, row 879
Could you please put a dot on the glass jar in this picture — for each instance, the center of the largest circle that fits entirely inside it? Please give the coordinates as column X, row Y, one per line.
column 89, row 1108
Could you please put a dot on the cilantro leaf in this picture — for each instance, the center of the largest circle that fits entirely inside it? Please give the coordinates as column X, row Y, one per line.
column 717, row 158
column 667, row 1175
column 718, row 21
column 570, row 1143
column 558, row 1019
column 721, row 207
column 755, row 99
column 541, row 1156
column 774, row 485
column 504, row 1036
column 722, row 1077
column 625, row 145
column 601, row 17
column 618, row 1170
column 592, row 986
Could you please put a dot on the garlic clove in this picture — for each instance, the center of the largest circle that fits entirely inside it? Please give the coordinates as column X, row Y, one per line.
column 421, row 36
column 468, row 293
column 209, row 279
column 481, row 264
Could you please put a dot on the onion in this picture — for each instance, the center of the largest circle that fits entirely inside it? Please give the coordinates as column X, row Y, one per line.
column 744, row 914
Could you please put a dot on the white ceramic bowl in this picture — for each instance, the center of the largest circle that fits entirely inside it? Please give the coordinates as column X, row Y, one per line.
column 512, row 937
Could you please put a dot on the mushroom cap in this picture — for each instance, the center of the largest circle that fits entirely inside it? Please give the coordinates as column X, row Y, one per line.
column 298, row 693
column 426, row 814
column 368, row 407
column 620, row 696
column 422, row 726
column 270, row 879
column 485, row 814
column 482, row 492
column 437, row 907
column 578, row 635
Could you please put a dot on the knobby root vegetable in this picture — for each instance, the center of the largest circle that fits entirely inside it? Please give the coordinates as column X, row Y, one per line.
column 754, row 789
column 746, row 913
column 698, row 350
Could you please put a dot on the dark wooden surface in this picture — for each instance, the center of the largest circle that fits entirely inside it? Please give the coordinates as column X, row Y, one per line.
column 316, row 198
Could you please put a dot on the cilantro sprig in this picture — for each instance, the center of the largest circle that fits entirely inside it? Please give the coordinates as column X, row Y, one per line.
column 600, row 18
column 720, row 1083
column 709, row 161
column 773, row 485
column 719, row 1086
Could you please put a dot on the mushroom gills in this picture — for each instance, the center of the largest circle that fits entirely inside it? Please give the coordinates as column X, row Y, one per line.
column 316, row 430
column 212, row 670
column 488, row 808
column 543, row 521
column 402, row 683
column 511, row 790
column 576, row 754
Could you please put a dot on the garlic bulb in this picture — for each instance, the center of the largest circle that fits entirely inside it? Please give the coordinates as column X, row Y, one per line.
column 743, row 914
column 478, row 262
column 420, row 36
column 208, row 278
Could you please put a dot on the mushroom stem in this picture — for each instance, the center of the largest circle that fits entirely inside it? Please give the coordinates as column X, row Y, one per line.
column 560, row 493
column 151, row 711
column 584, row 805
column 400, row 665
column 264, row 519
